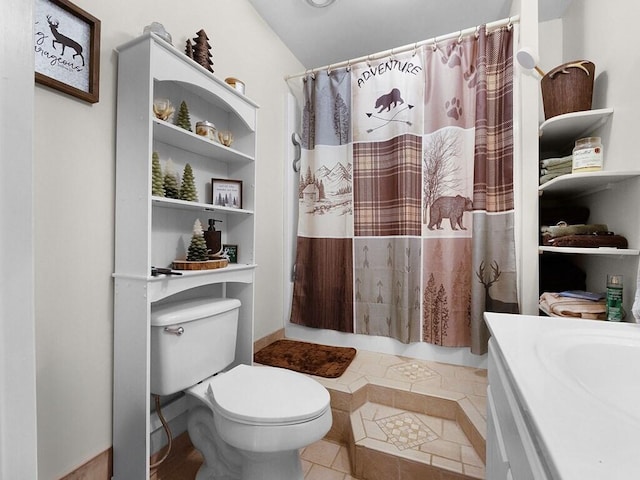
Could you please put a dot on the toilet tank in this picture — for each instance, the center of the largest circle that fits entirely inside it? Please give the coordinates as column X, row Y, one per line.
column 190, row 341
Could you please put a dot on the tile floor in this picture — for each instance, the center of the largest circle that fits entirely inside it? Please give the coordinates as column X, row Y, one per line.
column 433, row 415
column 399, row 418
column 326, row 460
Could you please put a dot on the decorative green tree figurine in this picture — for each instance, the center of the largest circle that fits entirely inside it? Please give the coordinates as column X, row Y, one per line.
column 157, row 180
column 198, row 247
column 188, row 187
column 170, row 182
column 183, row 120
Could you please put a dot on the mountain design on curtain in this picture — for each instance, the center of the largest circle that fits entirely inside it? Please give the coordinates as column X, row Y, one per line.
column 406, row 195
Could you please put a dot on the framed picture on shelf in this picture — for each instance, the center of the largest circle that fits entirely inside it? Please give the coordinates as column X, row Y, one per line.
column 226, row 193
column 67, row 49
column 231, row 251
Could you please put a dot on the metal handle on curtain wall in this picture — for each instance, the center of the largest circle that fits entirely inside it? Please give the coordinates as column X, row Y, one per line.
column 295, row 139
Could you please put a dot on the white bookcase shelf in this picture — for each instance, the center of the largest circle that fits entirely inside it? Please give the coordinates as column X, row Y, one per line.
column 154, row 231
column 586, row 183
column 563, row 130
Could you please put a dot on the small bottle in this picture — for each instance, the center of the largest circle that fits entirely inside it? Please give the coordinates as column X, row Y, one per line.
column 615, row 312
column 587, row 155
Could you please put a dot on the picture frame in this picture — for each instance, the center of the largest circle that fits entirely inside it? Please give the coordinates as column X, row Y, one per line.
column 232, row 252
column 67, row 49
column 226, row 193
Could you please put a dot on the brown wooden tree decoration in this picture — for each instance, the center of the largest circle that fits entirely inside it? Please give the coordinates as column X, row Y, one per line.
column 188, row 49
column 201, row 50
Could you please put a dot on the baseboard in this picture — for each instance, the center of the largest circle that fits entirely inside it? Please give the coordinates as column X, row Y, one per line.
column 99, row 467
column 267, row 340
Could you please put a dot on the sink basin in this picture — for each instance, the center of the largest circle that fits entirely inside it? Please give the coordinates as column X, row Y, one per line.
column 603, row 363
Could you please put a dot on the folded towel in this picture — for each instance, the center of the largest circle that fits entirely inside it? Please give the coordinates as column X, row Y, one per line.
column 550, row 162
column 550, row 176
column 561, row 169
column 562, row 229
column 558, row 306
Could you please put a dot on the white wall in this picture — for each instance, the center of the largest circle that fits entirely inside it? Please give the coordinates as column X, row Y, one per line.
column 17, row 326
column 74, row 207
column 605, row 34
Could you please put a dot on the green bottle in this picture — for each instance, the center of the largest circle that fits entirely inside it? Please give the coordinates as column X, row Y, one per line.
column 615, row 313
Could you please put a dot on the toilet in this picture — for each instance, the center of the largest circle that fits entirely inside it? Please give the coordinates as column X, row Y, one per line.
column 249, row 422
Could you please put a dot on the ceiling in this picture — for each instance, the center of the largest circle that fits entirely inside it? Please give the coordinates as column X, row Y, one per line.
column 355, row 28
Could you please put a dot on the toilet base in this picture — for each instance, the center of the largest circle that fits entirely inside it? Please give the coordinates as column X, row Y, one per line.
column 224, row 462
column 271, row 466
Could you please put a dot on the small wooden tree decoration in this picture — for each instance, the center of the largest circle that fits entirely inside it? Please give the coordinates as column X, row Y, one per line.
column 184, row 120
column 157, row 180
column 197, row 251
column 188, row 49
column 201, row 50
column 170, row 182
column 188, row 187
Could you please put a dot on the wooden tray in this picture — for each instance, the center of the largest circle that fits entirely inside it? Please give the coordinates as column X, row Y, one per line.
column 206, row 265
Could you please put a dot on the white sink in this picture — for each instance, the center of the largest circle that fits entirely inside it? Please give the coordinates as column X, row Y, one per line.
column 604, row 363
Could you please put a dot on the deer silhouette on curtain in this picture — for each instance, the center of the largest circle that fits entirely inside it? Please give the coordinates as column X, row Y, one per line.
column 406, row 194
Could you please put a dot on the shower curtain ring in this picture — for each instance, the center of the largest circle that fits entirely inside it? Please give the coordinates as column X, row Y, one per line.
column 329, row 70
column 460, row 37
column 348, row 66
column 477, row 34
column 369, row 61
column 435, row 44
column 415, row 49
column 509, row 25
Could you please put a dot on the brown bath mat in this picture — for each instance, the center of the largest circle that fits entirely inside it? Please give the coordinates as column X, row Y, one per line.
column 304, row 357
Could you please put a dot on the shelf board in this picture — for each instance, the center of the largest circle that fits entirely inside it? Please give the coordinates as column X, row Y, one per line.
column 164, row 286
column 179, row 137
column 175, row 203
column 590, row 251
column 562, row 131
column 585, row 183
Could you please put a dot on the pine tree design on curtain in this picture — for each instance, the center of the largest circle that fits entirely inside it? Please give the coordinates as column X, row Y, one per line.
column 323, row 288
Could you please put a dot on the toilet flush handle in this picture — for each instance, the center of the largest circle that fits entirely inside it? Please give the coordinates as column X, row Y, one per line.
column 176, row 331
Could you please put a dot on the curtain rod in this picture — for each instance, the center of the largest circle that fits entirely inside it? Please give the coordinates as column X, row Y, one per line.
column 412, row 46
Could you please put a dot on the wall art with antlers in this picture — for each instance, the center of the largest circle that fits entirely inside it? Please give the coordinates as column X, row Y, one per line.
column 67, row 49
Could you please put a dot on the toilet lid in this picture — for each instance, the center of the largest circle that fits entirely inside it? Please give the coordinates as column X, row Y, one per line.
column 267, row 395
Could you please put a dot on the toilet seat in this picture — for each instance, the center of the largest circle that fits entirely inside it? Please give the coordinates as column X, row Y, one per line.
column 261, row 395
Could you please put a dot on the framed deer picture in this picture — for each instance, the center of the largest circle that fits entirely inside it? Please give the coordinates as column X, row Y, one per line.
column 67, row 49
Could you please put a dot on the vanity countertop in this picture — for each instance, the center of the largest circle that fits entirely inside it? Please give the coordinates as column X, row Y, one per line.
column 578, row 385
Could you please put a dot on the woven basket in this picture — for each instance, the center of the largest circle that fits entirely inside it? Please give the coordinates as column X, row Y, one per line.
column 568, row 88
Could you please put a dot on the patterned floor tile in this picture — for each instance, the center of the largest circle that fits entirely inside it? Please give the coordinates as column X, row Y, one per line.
column 414, row 371
column 405, row 430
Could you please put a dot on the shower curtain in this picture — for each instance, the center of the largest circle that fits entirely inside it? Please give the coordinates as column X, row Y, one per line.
column 406, row 225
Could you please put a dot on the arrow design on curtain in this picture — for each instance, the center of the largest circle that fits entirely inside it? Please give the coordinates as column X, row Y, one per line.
column 387, row 121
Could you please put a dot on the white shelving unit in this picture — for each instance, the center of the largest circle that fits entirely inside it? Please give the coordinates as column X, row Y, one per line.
column 560, row 132
column 563, row 130
column 154, row 231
